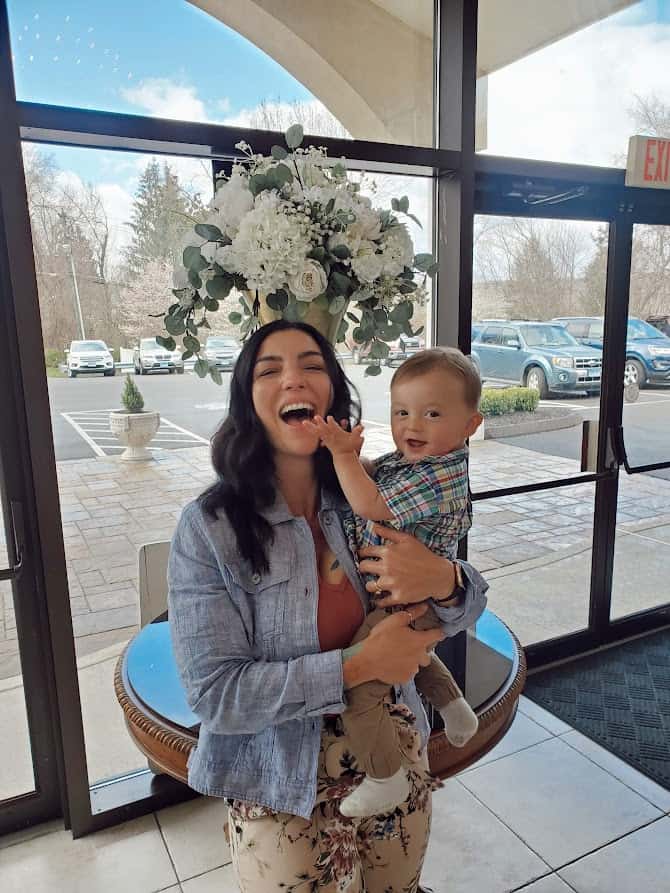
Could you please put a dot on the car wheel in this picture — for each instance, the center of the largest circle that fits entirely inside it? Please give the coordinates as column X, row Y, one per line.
column 180, row 370
column 170, row 371
column 634, row 373
column 71, row 373
column 537, row 381
column 110, row 372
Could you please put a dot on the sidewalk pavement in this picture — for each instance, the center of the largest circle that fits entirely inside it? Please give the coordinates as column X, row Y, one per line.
column 535, row 550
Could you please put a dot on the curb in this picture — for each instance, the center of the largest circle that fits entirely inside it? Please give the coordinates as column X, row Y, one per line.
column 560, row 418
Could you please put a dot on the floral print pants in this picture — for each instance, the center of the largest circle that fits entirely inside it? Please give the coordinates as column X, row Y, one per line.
column 382, row 854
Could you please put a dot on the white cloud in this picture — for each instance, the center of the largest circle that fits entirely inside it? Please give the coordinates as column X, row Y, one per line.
column 164, row 98
column 570, row 102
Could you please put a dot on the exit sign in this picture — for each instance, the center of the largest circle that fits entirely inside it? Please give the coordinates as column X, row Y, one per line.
column 648, row 162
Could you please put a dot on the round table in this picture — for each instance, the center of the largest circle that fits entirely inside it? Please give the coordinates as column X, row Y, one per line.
column 165, row 729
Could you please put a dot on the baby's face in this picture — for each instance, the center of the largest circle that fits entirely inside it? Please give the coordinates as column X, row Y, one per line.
column 429, row 415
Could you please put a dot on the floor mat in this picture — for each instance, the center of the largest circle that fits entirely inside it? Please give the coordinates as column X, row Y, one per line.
column 619, row 698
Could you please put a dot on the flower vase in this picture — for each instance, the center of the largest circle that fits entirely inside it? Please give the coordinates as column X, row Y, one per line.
column 314, row 313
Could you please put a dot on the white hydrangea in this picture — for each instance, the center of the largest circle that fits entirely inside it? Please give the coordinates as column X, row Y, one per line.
column 232, row 201
column 270, row 246
column 367, row 265
column 397, row 250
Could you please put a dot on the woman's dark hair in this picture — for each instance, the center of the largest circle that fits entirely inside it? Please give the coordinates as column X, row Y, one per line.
column 243, row 457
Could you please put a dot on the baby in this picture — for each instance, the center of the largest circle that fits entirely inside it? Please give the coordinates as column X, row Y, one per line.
column 422, row 488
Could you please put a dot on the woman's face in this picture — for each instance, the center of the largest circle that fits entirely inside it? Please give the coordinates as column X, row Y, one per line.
column 290, row 384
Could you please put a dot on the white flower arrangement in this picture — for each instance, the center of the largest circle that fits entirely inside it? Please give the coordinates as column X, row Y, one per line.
column 293, row 230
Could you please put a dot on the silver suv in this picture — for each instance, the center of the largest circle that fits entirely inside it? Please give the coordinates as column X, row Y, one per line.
column 89, row 356
column 149, row 356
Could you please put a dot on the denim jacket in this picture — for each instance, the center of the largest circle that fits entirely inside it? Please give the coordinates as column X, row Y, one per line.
column 247, row 649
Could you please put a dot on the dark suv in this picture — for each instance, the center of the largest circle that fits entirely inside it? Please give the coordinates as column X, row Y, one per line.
column 647, row 349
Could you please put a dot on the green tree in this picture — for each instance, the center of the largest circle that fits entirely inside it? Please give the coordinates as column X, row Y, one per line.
column 162, row 213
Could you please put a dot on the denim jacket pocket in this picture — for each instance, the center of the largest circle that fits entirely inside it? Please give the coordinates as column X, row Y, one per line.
column 267, row 593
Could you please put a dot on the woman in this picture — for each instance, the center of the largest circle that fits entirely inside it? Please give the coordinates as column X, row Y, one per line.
column 264, row 598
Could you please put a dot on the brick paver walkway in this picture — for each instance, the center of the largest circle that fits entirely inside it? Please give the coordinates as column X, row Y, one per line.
column 110, row 508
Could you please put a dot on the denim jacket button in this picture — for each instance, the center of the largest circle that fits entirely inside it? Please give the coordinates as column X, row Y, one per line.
column 327, row 518
column 256, row 579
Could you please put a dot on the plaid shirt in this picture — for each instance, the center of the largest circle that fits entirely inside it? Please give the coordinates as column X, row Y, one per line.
column 429, row 499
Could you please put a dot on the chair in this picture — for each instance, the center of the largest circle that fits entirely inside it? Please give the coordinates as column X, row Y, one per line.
column 153, row 559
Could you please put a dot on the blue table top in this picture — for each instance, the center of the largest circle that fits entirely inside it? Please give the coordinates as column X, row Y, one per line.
column 152, row 672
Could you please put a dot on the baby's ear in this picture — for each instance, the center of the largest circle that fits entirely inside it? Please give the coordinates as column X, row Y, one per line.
column 474, row 423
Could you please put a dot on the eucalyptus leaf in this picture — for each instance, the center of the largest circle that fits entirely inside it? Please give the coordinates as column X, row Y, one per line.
column 379, row 351
column 373, row 370
column 175, row 325
column 235, row 318
column 423, row 261
column 191, row 327
column 294, row 136
column 193, row 260
column 258, row 183
column 380, row 316
column 194, row 278
column 402, row 312
column 187, row 355
column 277, row 300
column 342, row 330
column 353, row 317
column 167, row 343
column 341, row 252
column 279, row 153
column 432, row 269
column 282, row 174
column 211, row 304
column 340, row 283
column 191, row 343
column 389, row 332
column 208, row 231
column 201, row 368
column 337, row 305
column 215, row 375
column 219, row 287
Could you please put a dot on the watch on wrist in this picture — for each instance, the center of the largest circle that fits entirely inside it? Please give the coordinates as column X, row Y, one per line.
column 459, row 588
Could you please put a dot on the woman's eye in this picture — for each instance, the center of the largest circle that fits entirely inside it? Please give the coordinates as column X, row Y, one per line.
column 267, row 372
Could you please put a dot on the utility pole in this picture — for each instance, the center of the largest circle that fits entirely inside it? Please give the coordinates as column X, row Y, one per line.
column 77, row 302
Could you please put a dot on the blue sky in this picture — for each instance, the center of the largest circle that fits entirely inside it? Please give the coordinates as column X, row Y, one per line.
column 89, row 54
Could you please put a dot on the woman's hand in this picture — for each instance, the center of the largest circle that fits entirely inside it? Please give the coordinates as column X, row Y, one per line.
column 393, row 652
column 406, row 569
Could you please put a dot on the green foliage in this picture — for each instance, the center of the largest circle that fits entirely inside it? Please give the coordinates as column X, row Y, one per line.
column 53, row 357
column 131, row 398
column 500, row 401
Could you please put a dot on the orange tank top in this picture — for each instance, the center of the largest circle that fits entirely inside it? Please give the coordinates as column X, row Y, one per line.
column 339, row 611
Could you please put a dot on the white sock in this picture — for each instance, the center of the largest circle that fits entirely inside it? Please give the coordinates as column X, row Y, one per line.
column 460, row 721
column 375, row 796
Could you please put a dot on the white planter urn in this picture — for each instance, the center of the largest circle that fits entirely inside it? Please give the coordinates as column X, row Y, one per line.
column 134, row 430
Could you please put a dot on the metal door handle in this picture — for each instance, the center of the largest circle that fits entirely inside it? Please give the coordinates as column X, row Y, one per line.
column 18, row 543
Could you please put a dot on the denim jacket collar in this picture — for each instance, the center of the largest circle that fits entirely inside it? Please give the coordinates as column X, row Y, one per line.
column 279, row 511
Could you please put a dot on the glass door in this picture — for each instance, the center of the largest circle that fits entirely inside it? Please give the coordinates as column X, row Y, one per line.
column 28, row 754
column 641, row 564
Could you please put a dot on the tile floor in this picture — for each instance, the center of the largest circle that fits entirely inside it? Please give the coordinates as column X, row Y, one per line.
column 547, row 811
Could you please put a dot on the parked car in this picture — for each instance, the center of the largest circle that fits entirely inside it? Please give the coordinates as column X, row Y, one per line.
column 647, row 349
column 149, row 356
column 89, row 356
column 402, row 349
column 222, row 350
column 537, row 355
column 662, row 323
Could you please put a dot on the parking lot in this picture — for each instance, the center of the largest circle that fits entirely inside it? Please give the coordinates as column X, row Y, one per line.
column 191, row 408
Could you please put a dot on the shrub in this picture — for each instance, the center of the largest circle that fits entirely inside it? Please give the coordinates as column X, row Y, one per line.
column 131, row 398
column 499, row 401
column 53, row 357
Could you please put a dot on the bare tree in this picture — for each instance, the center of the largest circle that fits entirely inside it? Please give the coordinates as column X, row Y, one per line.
column 314, row 117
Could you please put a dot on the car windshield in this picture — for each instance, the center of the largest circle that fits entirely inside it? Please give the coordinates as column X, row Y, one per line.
column 637, row 330
column 547, row 336
column 222, row 342
column 86, row 346
column 149, row 343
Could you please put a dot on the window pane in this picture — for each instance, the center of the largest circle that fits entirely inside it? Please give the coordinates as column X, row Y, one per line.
column 248, row 67
column 534, row 550
column 540, row 276
column 572, row 81
column 107, row 228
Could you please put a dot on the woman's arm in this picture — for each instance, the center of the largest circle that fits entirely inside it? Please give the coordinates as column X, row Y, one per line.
column 227, row 686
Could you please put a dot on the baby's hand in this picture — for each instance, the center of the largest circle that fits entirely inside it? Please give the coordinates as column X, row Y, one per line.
column 336, row 437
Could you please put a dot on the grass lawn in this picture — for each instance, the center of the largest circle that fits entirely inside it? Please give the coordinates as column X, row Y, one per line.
column 54, row 372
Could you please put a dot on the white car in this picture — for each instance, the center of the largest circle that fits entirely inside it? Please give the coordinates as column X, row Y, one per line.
column 89, row 356
column 149, row 356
